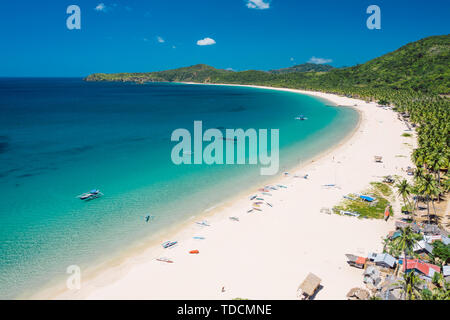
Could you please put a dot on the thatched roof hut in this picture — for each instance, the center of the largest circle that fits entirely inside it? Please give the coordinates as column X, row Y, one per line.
column 358, row 294
column 310, row 285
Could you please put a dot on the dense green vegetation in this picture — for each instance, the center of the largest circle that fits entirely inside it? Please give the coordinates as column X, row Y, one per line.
column 419, row 66
column 305, row 67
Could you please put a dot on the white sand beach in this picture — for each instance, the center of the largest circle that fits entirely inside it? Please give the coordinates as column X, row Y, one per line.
column 267, row 254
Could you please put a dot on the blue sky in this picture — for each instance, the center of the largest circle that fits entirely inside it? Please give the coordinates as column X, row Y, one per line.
column 150, row 35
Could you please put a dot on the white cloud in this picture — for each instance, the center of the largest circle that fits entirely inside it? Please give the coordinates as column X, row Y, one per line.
column 160, row 40
column 100, row 7
column 258, row 4
column 206, row 42
column 319, row 60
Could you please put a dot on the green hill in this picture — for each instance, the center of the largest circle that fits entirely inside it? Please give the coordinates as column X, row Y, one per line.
column 421, row 66
column 305, row 67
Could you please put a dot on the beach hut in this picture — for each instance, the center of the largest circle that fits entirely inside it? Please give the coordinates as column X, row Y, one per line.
column 432, row 229
column 372, row 276
column 423, row 247
column 358, row 294
column 421, row 267
column 391, row 288
column 355, row 261
column 385, row 260
column 309, row 286
column 402, row 225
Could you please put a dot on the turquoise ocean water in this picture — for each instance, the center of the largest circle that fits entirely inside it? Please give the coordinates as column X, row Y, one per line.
column 62, row 137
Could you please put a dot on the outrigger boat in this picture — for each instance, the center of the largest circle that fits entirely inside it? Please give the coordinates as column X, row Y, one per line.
column 301, row 117
column 93, row 194
column 167, row 260
column 169, row 244
column 203, row 223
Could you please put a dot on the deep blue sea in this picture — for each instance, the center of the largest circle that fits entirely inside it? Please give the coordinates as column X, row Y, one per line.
column 62, row 137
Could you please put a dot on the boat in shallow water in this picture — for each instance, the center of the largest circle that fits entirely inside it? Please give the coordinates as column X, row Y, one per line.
column 301, row 117
column 93, row 194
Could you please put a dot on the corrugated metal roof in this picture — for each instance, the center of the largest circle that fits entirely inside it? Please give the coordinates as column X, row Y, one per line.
column 446, row 270
column 385, row 258
column 427, row 269
column 422, row 245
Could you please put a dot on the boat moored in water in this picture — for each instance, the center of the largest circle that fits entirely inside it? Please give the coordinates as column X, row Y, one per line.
column 93, row 194
column 301, row 117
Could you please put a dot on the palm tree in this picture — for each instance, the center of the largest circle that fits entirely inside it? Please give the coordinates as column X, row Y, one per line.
column 435, row 162
column 446, row 183
column 441, row 292
column 404, row 191
column 427, row 187
column 411, row 284
column 405, row 243
column 419, row 173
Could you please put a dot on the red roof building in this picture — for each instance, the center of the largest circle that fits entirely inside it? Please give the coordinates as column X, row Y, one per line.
column 426, row 269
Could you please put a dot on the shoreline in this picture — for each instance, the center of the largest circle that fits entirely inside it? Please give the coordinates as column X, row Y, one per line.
column 122, row 273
